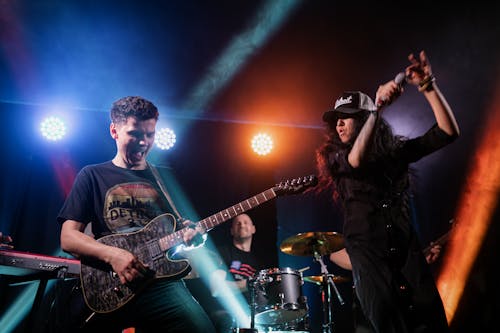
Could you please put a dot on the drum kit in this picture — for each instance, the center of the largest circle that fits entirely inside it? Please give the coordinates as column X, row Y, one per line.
column 277, row 302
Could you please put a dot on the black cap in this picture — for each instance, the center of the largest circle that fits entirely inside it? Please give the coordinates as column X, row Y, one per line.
column 350, row 102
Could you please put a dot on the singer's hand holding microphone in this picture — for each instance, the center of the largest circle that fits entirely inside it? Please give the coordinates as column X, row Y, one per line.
column 388, row 92
column 419, row 73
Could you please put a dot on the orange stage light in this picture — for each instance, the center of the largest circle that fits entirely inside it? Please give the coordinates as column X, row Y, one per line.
column 478, row 202
column 262, row 144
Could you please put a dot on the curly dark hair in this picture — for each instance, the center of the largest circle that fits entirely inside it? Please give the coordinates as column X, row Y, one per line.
column 384, row 142
column 133, row 106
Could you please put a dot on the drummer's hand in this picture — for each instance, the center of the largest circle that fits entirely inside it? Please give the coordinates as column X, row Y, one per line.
column 242, row 285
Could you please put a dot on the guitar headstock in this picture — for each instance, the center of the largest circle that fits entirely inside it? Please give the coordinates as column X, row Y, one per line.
column 296, row 185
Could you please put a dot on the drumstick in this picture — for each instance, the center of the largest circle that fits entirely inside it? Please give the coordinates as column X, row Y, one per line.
column 304, row 269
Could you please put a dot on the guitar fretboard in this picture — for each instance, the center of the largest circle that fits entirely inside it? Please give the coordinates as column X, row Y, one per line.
column 212, row 221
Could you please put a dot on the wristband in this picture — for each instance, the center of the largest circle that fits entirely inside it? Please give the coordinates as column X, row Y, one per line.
column 427, row 83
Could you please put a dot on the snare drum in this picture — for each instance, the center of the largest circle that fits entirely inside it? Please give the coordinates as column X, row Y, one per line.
column 279, row 297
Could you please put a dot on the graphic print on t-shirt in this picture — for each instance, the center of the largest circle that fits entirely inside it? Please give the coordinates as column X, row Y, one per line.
column 130, row 206
column 241, row 271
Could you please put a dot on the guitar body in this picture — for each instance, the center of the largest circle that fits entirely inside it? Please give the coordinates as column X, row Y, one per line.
column 102, row 289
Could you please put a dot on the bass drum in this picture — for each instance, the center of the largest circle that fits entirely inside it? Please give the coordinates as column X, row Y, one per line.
column 279, row 299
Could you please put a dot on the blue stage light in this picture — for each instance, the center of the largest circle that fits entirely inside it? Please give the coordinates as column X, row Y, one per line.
column 165, row 138
column 53, row 128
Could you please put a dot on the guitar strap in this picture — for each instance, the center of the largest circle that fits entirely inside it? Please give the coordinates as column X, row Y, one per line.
column 163, row 188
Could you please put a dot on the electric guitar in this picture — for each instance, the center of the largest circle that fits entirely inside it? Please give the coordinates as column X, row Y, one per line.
column 153, row 245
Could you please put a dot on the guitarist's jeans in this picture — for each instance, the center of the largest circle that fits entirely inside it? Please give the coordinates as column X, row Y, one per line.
column 164, row 306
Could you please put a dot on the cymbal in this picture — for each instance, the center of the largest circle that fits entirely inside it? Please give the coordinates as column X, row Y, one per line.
column 318, row 279
column 309, row 243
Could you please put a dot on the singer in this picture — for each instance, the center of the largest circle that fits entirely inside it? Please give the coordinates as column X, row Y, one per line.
column 367, row 168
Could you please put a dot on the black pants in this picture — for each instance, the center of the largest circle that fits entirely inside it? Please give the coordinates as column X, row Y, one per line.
column 164, row 306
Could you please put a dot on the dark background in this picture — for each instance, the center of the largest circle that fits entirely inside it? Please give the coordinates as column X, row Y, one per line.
column 220, row 72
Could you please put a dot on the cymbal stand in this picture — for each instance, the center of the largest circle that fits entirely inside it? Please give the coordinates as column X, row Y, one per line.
column 326, row 294
column 251, row 284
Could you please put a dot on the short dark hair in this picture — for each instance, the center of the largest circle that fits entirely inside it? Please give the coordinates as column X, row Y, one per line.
column 133, row 106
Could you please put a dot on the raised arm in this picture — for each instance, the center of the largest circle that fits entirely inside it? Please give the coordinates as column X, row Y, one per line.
column 386, row 93
column 419, row 73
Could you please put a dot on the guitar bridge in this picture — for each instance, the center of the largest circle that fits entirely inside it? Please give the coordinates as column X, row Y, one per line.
column 154, row 250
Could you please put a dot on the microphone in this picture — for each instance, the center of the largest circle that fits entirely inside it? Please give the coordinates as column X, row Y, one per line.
column 400, row 80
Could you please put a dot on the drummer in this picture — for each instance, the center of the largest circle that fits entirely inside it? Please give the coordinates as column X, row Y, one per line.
column 239, row 265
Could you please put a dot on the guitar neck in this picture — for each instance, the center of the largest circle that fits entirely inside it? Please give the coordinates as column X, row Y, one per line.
column 212, row 221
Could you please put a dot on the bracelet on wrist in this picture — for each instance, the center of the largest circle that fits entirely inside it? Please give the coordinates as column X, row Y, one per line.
column 427, row 84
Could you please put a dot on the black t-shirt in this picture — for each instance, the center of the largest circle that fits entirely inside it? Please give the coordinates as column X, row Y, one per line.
column 241, row 264
column 114, row 199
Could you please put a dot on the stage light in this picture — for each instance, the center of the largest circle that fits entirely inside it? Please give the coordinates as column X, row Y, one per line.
column 262, row 144
column 53, row 128
column 165, row 138
column 268, row 18
column 475, row 215
column 205, row 262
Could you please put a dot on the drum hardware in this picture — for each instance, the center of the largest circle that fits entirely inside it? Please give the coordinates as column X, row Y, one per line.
column 327, row 283
column 318, row 244
column 319, row 279
column 302, row 270
column 276, row 298
column 251, row 286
